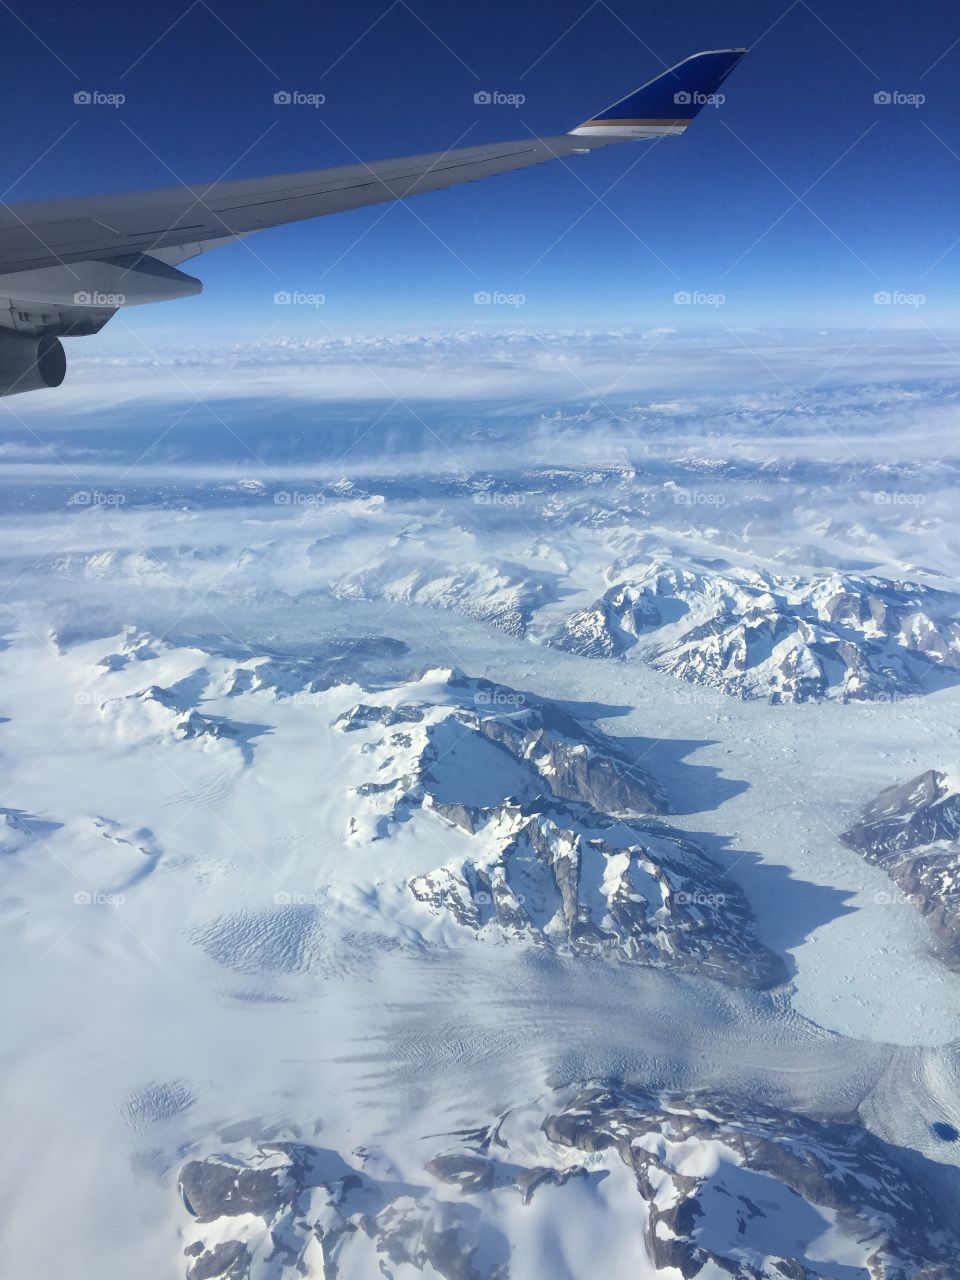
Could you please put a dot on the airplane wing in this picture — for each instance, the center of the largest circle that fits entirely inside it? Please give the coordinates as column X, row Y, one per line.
column 67, row 266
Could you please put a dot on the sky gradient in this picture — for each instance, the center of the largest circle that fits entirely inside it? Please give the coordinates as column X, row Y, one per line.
column 796, row 202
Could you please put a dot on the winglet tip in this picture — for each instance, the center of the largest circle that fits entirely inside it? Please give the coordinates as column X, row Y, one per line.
column 667, row 104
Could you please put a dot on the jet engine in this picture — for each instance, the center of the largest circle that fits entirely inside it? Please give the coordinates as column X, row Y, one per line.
column 29, row 362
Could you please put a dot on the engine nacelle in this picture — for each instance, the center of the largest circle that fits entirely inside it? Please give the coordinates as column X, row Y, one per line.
column 29, row 363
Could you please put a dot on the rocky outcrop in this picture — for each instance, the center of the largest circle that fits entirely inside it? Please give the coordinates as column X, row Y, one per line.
column 467, row 1173
column 571, row 857
column 722, row 1182
column 753, row 634
column 588, row 885
column 912, row 830
column 724, row 1187
column 317, row 1210
column 528, row 1180
column 218, row 1187
column 363, row 715
column 574, row 762
column 227, row 1261
column 923, row 811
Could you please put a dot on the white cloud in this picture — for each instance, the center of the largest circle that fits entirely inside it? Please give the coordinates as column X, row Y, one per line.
column 514, row 365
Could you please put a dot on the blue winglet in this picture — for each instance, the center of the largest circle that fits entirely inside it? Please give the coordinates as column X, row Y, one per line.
column 669, row 103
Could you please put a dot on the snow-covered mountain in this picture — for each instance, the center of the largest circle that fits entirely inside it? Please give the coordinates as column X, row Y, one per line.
column 746, row 1192
column 912, row 830
column 533, row 827
column 753, row 634
column 692, row 1186
column 558, row 851
column 747, row 631
column 715, row 571
column 503, row 594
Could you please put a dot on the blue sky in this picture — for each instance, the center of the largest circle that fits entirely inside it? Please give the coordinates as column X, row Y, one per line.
column 608, row 241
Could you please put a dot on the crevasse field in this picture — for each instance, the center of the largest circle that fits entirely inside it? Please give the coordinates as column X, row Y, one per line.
column 421, row 818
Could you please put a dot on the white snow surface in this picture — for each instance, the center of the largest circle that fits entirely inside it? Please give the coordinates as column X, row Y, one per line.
column 194, row 935
column 209, row 934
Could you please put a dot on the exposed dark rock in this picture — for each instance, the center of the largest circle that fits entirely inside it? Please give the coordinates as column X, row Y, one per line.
column 667, row 904
column 217, row 1187
column 913, row 831
column 839, row 1167
column 227, row 1261
column 903, row 817
column 195, row 725
column 720, row 1179
column 408, row 1232
column 469, row 1173
column 608, row 628
column 363, row 715
column 408, row 1225
column 575, row 763
column 528, row 1180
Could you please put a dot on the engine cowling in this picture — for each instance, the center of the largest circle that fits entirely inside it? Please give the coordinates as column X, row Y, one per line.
column 30, row 363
